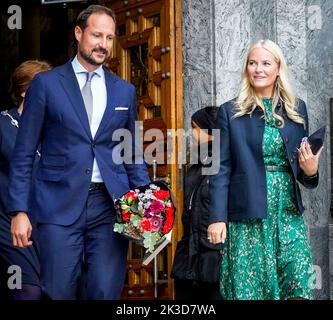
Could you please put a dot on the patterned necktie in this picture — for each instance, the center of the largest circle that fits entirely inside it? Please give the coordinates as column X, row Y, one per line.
column 87, row 95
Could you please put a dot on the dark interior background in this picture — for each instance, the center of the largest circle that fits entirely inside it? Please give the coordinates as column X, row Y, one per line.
column 47, row 33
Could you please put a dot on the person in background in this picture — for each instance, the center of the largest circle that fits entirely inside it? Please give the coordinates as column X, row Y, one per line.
column 263, row 157
column 196, row 264
column 26, row 259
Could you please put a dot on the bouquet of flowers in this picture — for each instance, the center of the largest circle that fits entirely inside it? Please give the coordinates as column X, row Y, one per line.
column 146, row 214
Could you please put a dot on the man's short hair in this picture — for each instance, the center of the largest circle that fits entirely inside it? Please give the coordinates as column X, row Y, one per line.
column 84, row 15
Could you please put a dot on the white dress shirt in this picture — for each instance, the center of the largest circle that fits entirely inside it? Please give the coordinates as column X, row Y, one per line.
column 98, row 89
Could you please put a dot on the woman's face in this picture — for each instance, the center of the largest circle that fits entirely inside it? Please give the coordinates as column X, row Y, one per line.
column 262, row 71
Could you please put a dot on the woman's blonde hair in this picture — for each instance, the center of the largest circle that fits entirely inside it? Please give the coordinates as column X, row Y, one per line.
column 247, row 100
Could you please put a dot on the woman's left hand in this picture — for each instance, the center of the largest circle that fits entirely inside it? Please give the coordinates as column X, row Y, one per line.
column 307, row 160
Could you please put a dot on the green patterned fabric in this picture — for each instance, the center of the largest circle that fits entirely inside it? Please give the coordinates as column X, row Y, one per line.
column 269, row 259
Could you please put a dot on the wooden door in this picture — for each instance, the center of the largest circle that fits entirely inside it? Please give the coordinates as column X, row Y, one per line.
column 147, row 52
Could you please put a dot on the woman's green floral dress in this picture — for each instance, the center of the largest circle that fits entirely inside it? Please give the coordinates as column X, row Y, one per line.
column 269, row 259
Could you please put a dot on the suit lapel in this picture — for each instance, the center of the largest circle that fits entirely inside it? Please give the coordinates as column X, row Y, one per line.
column 110, row 82
column 72, row 89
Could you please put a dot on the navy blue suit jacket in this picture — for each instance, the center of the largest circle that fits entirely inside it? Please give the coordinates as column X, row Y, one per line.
column 238, row 190
column 55, row 117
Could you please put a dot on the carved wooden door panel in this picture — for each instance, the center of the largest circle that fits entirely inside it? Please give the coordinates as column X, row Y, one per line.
column 147, row 53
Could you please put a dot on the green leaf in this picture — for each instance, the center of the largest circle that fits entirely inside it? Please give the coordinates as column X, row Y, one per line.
column 118, row 227
column 126, row 207
column 148, row 244
column 130, row 200
column 135, row 220
column 134, row 207
column 150, row 240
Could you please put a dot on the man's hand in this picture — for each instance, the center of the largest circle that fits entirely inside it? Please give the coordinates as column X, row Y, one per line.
column 21, row 230
column 217, row 232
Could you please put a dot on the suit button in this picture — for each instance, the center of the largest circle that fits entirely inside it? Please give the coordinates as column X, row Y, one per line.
column 287, row 140
column 292, row 161
column 88, row 171
column 93, row 145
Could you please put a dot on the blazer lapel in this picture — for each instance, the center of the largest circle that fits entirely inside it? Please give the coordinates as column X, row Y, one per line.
column 286, row 130
column 258, row 127
column 72, row 89
column 110, row 82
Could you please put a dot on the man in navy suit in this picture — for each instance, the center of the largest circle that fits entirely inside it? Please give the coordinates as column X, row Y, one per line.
column 72, row 112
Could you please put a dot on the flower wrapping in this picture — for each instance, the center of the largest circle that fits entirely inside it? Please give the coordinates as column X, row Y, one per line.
column 146, row 214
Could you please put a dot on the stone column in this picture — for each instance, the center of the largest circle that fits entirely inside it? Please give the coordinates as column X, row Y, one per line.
column 263, row 20
column 309, row 56
column 319, row 87
column 232, row 36
column 198, row 52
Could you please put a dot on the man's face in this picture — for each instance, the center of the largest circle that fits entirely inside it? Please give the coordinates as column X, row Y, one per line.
column 95, row 41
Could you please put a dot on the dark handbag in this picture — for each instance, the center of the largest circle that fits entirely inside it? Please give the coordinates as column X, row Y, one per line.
column 183, row 263
column 209, row 261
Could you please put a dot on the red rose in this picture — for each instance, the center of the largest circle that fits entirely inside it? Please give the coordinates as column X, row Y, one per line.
column 145, row 224
column 126, row 215
column 161, row 194
column 130, row 196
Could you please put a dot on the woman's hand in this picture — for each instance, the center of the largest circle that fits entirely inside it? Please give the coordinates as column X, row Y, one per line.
column 307, row 160
column 217, row 232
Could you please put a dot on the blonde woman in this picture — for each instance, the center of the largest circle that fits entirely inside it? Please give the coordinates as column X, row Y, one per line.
column 266, row 254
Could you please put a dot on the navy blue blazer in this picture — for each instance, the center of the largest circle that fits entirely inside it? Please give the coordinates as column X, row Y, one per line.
column 54, row 116
column 238, row 190
column 8, row 132
column 7, row 141
column 26, row 258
